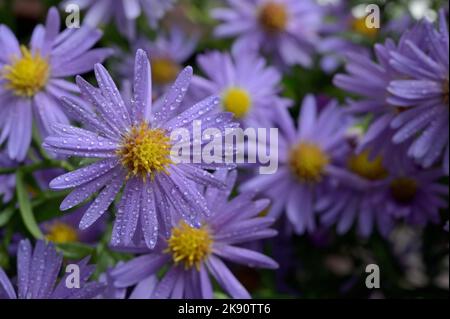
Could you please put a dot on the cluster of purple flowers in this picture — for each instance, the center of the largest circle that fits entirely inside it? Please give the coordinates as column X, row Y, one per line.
column 371, row 163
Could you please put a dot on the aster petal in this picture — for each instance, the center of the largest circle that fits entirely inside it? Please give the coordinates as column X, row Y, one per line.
column 149, row 220
column 82, row 64
column 145, row 288
column 206, row 289
column 308, row 116
column 244, row 256
column 142, row 93
column 24, row 255
column 226, row 279
column 101, row 203
column 83, row 175
column 6, row 288
column 52, row 26
column 165, row 287
column 10, row 45
column 20, row 135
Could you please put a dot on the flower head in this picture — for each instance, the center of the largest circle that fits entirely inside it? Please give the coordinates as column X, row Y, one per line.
column 37, row 273
column 308, row 161
column 193, row 254
column 33, row 78
column 286, row 29
column 132, row 142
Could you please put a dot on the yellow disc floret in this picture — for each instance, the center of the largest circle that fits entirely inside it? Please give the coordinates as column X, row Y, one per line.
column 145, row 151
column 27, row 75
column 237, row 101
column 308, row 162
column 359, row 25
column 273, row 17
column 189, row 245
column 369, row 169
column 404, row 189
column 164, row 71
column 62, row 233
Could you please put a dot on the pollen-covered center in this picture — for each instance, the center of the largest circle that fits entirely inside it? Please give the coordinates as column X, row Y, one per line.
column 273, row 17
column 188, row 245
column 145, row 151
column 362, row 165
column 62, row 233
column 308, row 162
column 237, row 101
column 164, row 70
column 404, row 189
column 359, row 25
column 27, row 75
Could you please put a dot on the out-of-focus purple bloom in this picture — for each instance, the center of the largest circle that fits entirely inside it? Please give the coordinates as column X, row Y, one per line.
column 285, row 29
column 307, row 162
column 377, row 195
column 410, row 112
column 423, row 92
column 65, row 229
column 123, row 12
column 133, row 143
column 167, row 55
column 37, row 274
column 249, row 88
column 193, row 254
column 32, row 79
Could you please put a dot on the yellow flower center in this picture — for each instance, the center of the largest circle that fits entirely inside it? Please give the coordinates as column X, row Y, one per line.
column 27, row 75
column 308, row 162
column 62, row 233
column 359, row 26
column 145, row 151
column 237, row 101
column 273, row 17
column 164, row 70
column 403, row 189
column 189, row 245
column 364, row 167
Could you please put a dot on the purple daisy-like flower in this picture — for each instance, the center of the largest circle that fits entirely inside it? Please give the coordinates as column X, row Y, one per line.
column 37, row 274
column 193, row 254
column 123, row 12
column 168, row 52
column 286, row 29
column 377, row 196
column 423, row 92
column 307, row 162
column 405, row 112
column 248, row 87
column 32, row 79
column 133, row 144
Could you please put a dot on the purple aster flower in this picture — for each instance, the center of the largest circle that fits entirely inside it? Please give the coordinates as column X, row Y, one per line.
column 404, row 109
column 123, row 12
column 65, row 229
column 249, row 88
column 37, row 274
column 423, row 92
column 307, row 162
column 193, row 254
column 32, row 79
column 286, row 29
column 133, row 144
column 167, row 55
column 377, row 196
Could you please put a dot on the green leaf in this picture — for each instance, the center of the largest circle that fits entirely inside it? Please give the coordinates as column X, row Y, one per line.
column 6, row 215
column 25, row 207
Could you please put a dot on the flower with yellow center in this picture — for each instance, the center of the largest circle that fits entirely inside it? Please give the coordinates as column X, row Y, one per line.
column 372, row 170
column 359, row 25
column 27, row 75
column 308, row 162
column 237, row 101
column 61, row 233
column 273, row 17
column 403, row 189
column 190, row 246
column 145, row 151
column 164, row 71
